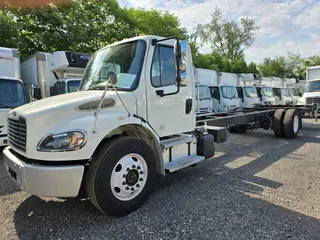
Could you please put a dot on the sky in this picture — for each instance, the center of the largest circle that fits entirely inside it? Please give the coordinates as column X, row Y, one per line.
column 285, row 25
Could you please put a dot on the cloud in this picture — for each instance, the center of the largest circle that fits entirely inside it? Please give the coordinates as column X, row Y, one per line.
column 286, row 25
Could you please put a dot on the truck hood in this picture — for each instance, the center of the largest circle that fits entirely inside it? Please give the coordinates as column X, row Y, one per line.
column 67, row 102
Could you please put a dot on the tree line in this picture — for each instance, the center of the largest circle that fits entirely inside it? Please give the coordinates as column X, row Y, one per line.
column 86, row 26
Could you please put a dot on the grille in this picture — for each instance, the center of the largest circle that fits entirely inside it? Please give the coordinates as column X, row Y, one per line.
column 313, row 100
column 17, row 133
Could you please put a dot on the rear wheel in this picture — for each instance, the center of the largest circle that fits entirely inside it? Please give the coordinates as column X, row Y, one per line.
column 291, row 123
column 121, row 176
column 278, row 123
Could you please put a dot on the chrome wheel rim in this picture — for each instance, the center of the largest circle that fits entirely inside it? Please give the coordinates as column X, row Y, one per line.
column 129, row 176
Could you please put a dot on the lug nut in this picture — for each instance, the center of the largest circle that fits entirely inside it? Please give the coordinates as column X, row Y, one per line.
column 138, row 167
column 138, row 185
column 124, row 176
column 133, row 166
column 127, row 188
column 128, row 169
column 132, row 189
column 124, row 183
column 141, row 179
column 141, row 172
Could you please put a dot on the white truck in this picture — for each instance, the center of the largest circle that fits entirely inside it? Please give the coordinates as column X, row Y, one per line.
column 12, row 92
column 50, row 74
column 223, row 92
column 203, row 97
column 123, row 128
column 281, row 92
column 312, row 93
column 265, row 91
column 292, row 85
column 246, row 92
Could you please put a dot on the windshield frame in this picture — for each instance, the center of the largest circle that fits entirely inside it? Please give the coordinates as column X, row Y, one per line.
column 17, row 81
column 247, row 94
column 226, row 97
column 309, row 83
column 137, row 80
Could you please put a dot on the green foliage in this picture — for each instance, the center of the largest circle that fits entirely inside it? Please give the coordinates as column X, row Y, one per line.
column 153, row 22
column 229, row 39
column 83, row 26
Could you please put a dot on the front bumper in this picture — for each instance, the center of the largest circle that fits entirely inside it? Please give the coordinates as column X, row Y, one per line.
column 39, row 180
column 3, row 140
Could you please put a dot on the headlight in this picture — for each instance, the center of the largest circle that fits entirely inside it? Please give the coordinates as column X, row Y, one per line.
column 68, row 141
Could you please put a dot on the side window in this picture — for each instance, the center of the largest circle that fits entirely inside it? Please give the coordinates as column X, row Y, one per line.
column 240, row 92
column 259, row 92
column 163, row 71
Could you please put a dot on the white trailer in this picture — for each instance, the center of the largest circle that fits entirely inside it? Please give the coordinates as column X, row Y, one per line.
column 12, row 93
column 49, row 74
column 124, row 128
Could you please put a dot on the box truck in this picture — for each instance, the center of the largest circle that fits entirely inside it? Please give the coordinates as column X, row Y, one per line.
column 222, row 89
column 49, row 74
column 281, row 93
column 203, row 96
column 124, row 127
column 265, row 91
column 247, row 93
column 12, row 92
column 312, row 92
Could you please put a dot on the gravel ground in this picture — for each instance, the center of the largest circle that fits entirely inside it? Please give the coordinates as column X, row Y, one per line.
column 256, row 187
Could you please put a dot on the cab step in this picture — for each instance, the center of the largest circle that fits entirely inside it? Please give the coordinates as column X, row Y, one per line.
column 183, row 163
column 168, row 143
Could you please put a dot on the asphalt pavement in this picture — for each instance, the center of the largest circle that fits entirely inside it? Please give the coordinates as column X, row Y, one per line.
column 256, row 187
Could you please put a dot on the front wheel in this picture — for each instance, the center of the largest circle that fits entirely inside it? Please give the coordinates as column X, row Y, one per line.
column 121, row 176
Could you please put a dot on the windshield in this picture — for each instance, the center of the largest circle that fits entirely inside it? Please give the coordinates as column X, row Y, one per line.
column 204, row 92
column 267, row 91
column 229, row 92
column 313, row 86
column 294, row 92
column 124, row 59
column 11, row 94
column 251, row 92
column 285, row 92
column 73, row 86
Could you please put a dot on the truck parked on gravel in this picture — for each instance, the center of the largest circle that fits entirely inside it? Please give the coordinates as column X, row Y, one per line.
column 134, row 118
column 281, row 93
column 246, row 92
column 312, row 93
column 50, row 74
column 12, row 92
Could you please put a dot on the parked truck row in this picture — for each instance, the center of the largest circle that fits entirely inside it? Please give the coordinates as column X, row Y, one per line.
column 133, row 118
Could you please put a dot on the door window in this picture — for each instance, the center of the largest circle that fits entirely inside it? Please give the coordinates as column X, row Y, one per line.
column 163, row 71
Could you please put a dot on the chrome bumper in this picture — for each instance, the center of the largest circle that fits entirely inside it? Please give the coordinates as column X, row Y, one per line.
column 50, row 181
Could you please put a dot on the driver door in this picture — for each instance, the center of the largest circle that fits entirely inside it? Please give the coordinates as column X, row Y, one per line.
column 171, row 114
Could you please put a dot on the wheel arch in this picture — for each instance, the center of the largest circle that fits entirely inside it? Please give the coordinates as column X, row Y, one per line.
column 140, row 132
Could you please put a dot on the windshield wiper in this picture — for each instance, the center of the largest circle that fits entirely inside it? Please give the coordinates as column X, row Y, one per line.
column 5, row 106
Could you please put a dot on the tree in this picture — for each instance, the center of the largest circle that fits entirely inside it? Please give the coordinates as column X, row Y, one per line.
column 252, row 68
column 229, row 39
column 154, row 22
column 273, row 67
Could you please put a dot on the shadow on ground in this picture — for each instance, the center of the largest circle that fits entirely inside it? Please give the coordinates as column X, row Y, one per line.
column 205, row 202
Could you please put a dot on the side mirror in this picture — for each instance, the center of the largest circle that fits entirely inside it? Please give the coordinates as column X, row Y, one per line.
column 53, row 91
column 109, row 75
column 180, row 59
column 36, row 93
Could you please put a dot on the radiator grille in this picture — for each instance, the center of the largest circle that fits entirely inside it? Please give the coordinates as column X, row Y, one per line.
column 17, row 133
column 312, row 100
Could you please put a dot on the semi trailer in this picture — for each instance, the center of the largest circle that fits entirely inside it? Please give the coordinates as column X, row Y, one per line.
column 12, row 92
column 134, row 118
column 50, row 74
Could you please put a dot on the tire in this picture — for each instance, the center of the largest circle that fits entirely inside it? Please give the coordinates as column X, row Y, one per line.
column 113, row 175
column 278, row 123
column 291, row 123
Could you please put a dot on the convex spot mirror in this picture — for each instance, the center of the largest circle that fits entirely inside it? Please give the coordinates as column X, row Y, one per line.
column 108, row 75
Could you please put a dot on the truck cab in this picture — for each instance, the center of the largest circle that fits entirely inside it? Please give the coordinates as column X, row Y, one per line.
column 204, row 100
column 294, row 94
column 311, row 94
column 248, row 96
column 282, row 96
column 266, row 95
column 65, row 86
column 12, row 94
